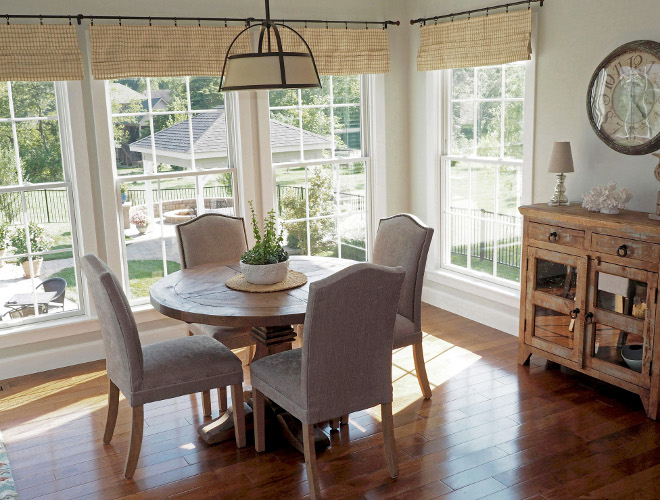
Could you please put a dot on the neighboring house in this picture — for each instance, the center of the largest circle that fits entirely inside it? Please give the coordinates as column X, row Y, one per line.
column 173, row 145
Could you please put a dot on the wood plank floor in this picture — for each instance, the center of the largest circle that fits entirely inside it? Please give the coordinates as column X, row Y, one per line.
column 493, row 429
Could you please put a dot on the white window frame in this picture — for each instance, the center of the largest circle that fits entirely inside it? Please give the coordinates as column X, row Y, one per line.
column 438, row 88
column 231, row 102
column 371, row 88
column 69, row 183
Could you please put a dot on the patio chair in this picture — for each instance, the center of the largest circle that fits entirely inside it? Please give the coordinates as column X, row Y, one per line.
column 220, row 239
column 158, row 371
column 53, row 285
column 345, row 363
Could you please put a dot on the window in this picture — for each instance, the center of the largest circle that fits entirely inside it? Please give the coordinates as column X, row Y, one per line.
column 482, row 172
column 38, row 273
column 321, row 169
column 172, row 162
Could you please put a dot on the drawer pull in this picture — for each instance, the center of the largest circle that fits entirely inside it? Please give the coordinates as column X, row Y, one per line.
column 553, row 237
column 589, row 318
column 574, row 313
column 622, row 251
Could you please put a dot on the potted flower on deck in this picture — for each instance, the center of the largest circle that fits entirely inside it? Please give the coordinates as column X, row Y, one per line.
column 39, row 242
column 141, row 221
column 266, row 262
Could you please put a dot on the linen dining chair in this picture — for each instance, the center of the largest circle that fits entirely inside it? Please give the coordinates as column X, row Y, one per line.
column 345, row 363
column 158, row 371
column 215, row 238
column 403, row 240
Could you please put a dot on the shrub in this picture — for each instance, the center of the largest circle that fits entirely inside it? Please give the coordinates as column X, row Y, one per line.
column 39, row 240
column 5, row 236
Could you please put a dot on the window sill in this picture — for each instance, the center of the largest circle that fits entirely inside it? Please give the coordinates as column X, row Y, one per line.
column 66, row 327
column 475, row 286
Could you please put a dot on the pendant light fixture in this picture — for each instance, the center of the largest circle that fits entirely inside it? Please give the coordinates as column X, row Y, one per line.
column 271, row 70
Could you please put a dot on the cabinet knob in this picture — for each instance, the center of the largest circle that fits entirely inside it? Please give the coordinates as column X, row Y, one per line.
column 575, row 312
column 553, row 237
column 622, row 251
column 589, row 318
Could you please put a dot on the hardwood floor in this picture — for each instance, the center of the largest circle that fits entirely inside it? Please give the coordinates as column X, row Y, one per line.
column 493, row 429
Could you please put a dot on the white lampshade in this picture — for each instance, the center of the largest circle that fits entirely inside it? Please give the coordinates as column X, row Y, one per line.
column 270, row 70
column 561, row 161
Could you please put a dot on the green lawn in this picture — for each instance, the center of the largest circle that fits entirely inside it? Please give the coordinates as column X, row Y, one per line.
column 486, row 266
column 142, row 275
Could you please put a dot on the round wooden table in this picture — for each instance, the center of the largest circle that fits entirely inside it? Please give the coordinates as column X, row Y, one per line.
column 199, row 295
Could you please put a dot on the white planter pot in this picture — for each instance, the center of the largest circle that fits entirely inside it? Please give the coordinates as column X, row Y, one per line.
column 35, row 269
column 266, row 274
column 142, row 229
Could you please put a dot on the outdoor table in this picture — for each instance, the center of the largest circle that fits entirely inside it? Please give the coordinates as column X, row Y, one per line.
column 24, row 300
column 199, row 295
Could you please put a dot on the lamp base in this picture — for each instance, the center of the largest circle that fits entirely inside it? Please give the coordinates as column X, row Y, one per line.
column 559, row 199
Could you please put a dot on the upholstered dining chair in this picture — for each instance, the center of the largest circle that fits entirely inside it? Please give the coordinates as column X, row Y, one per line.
column 158, row 371
column 403, row 240
column 345, row 363
column 215, row 238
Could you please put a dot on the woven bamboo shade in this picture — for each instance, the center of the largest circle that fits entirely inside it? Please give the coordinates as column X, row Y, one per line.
column 480, row 41
column 338, row 51
column 129, row 51
column 35, row 52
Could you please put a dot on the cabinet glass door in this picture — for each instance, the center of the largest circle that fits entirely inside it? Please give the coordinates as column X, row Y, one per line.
column 556, row 286
column 620, row 322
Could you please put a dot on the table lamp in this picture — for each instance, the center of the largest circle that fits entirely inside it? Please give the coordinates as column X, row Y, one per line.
column 561, row 163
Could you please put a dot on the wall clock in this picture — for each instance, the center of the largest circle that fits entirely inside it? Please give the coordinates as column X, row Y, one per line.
column 623, row 101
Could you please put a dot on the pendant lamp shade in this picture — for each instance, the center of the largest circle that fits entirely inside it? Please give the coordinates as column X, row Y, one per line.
column 271, row 70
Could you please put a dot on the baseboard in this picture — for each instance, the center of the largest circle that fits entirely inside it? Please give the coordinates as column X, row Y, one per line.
column 482, row 310
column 84, row 352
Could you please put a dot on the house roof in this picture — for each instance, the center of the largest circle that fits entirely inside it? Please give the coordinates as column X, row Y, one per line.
column 123, row 94
column 210, row 136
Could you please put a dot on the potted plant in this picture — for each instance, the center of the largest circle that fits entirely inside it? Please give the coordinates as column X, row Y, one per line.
column 5, row 241
column 266, row 262
column 39, row 242
column 124, row 195
column 141, row 221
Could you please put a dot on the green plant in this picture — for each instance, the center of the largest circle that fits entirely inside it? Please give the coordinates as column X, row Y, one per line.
column 39, row 241
column 5, row 236
column 267, row 249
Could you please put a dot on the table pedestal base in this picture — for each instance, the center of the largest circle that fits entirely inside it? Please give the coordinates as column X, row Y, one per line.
column 272, row 339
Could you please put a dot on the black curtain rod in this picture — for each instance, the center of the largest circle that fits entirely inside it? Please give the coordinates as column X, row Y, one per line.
column 247, row 20
column 423, row 20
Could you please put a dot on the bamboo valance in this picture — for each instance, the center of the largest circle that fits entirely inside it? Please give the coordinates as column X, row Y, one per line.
column 35, row 52
column 340, row 51
column 479, row 41
column 153, row 51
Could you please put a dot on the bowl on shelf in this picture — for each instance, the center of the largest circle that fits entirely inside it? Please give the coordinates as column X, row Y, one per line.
column 632, row 355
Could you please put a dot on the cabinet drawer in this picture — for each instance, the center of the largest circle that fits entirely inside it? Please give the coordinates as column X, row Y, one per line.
column 622, row 247
column 554, row 234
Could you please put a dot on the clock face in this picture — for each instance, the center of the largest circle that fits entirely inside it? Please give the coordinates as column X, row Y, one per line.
column 624, row 98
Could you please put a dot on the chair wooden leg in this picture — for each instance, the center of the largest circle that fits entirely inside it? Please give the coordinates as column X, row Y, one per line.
column 343, row 419
column 388, row 438
column 113, row 407
column 239, row 413
column 250, row 355
column 259, row 421
column 310, row 461
column 222, row 398
column 136, row 442
column 334, row 424
column 206, row 403
column 420, row 369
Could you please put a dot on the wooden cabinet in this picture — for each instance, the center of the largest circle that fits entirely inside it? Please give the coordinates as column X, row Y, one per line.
column 589, row 295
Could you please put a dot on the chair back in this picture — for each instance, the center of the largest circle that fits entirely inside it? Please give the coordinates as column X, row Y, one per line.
column 211, row 238
column 123, row 350
column 54, row 285
column 347, row 340
column 403, row 240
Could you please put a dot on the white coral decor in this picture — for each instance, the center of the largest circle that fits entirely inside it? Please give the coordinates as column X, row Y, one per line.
column 606, row 199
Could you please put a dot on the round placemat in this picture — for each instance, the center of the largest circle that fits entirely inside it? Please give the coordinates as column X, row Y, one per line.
column 293, row 279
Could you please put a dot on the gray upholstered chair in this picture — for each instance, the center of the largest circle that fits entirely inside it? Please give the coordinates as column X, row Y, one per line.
column 345, row 363
column 155, row 372
column 221, row 239
column 403, row 240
